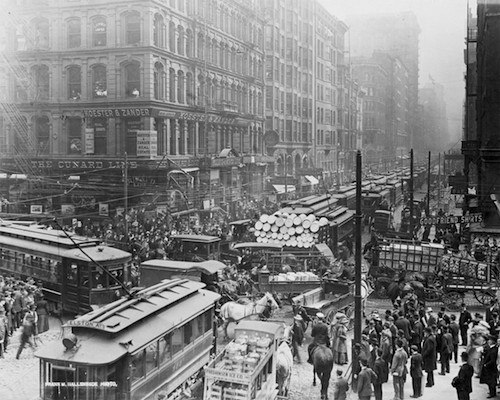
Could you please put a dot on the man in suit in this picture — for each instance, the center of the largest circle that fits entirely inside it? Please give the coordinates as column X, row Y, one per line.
column 403, row 324
column 340, row 387
column 416, row 373
column 454, row 330
column 398, row 370
column 380, row 368
column 463, row 321
column 489, row 371
column 429, row 355
column 365, row 378
column 464, row 384
column 446, row 350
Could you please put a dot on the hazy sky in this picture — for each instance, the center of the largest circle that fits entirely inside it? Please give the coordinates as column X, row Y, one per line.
column 442, row 38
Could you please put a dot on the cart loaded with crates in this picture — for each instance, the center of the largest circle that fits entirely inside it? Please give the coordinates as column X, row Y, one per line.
column 457, row 276
column 333, row 296
column 246, row 368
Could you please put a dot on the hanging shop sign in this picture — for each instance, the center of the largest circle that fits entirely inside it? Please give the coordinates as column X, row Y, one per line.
column 146, row 143
column 452, row 219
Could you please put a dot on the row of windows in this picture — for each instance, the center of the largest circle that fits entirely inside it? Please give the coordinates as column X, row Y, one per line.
column 160, row 352
column 27, row 265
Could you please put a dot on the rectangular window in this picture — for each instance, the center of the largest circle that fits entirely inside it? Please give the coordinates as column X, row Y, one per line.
column 151, row 357
column 74, row 127
column 99, row 32
column 137, row 366
column 165, row 353
column 177, row 341
column 74, row 33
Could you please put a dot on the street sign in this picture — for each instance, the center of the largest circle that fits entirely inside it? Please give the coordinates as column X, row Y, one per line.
column 452, row 219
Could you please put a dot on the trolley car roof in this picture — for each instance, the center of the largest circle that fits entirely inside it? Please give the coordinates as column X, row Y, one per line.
column 128, row 325
column 207, row 267
column 197, row 238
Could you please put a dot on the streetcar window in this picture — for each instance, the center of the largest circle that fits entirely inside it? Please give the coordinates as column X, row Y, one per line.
column 98, row 280
column 137, row 366
column 176, row 341
column 151, row 357
column 165, row 353
column 118, row 277
column 198, row 326
column 188, row 333
column 72, row 273
column 208, row 320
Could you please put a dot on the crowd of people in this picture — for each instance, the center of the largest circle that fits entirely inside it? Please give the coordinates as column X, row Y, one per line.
column 409, row 342
column 23, row 309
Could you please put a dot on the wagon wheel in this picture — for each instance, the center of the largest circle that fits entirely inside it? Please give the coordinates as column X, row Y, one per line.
column 483, row 296
column 431, row 294
column 453, row 300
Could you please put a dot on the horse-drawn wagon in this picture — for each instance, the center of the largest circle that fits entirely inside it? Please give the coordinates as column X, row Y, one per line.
column 457, row 276
column 397, row 263
column 332, row 297
column 246, row 368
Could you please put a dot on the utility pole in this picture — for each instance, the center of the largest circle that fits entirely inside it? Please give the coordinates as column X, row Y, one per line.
column 439, row 180
column 410, row 190
column 358, row 312
column 286, row 173
column 125, row 192
column 428, row 205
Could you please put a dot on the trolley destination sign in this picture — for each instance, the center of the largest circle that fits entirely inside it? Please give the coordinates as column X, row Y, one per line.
column 452, row 219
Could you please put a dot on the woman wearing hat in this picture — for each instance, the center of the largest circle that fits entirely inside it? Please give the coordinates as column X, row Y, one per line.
column 478, row 336
column 339, row 341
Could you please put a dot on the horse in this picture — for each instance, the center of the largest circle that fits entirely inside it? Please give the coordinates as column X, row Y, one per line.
column 235, row 312
column 284, row 363
column 322, row 359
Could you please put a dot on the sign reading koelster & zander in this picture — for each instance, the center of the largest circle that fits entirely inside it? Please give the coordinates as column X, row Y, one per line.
column 117, row 112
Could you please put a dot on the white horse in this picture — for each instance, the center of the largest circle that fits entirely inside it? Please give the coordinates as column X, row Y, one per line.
column 235, row 312
column 284, row 363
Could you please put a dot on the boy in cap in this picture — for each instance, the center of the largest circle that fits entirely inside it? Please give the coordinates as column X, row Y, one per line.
column 340, row 387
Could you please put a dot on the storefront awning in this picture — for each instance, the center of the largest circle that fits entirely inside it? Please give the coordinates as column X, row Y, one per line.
column 280, row 189
column 312, row 179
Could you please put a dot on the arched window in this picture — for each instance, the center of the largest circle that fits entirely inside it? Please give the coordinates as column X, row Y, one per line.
column 40, row 74
column 41, row 33
column 132, row 28
column 74, row 127
column 190, row 97
column 171, row 85
column 171, row 36
column 180, row 40
column 99, row 81
column 158, row 31
column 99, row 31
column 158, row 81
column 74, row 82
column 180, row 87
column 42, row 135
column 201, row 46
column 74, row 33
column 132, row 79
column 201, row 91
column 189, row 43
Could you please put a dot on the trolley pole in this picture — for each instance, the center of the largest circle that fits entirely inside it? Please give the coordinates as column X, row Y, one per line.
column 358, row 312
column 428, row 205
column 411, row 192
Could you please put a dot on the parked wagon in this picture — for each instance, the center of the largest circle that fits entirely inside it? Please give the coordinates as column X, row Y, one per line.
column 458, row 275
column 334, row 296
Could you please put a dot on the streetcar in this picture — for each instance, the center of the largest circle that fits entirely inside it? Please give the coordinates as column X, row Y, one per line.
column 135, row 348
column 195, row 247
column 208, row 272
column 69, row 267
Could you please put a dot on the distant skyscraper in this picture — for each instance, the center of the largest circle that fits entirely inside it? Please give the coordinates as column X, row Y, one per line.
column 397, row 35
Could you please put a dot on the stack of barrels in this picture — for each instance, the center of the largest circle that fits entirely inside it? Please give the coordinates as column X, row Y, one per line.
column 289, row 230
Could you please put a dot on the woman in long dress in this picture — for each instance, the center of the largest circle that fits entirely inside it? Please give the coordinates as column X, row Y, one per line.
column 340, row 342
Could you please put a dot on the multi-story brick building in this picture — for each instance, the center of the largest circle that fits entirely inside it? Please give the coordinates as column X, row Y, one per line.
column 304, row 47
column 174, row 87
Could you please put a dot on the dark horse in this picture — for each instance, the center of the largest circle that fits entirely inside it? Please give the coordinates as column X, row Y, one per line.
column 322, row 358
